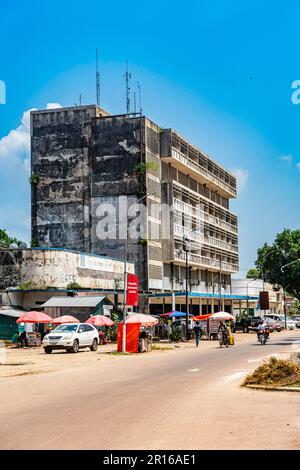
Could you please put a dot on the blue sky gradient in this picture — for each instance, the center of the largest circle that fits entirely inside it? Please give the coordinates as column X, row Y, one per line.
column 219, row 72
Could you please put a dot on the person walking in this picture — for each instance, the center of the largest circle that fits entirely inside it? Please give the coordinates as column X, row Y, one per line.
column 197, row 330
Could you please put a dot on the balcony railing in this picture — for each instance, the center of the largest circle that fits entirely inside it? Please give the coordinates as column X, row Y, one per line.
column 205, row 261
column 201, row 215
column 208, row 176
column 180, row 231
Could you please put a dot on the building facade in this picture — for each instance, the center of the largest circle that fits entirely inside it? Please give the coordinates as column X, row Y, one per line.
column 252, row 288
column 124, row 187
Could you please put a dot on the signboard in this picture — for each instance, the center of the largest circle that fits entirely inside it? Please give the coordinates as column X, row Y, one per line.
column 132, row 290
column 96, row 264
column 264, row 300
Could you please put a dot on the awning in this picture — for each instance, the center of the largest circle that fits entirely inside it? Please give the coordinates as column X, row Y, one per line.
column 78, row 301
column 11, row 312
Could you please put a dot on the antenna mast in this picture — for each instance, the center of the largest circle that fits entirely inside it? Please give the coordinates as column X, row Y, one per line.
column 97, row 80
column 127, row 78
column 140, row 97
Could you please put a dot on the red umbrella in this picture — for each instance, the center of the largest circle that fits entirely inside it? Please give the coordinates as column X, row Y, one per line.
column 65, row 319
column 100, row 320
column 202, row 317
column 34, row 317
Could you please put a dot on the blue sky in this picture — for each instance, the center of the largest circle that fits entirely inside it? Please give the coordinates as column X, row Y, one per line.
column 219, row 72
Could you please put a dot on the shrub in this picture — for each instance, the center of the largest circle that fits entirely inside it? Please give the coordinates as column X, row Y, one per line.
column 74, row 286
column 275, row 371
column 176, row 334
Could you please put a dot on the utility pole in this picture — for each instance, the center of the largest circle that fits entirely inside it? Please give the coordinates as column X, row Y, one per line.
column 220, row 285
column 125, row 295
column 185, row 243
column 282, row 269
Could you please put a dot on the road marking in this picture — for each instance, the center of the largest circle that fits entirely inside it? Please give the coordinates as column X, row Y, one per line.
column 193, row 370
column 235, row 376
column 254, row 360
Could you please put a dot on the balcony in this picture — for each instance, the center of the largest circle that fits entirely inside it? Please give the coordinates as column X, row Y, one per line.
column 205, row 262
column 193, row 168
column 193, row 212
column 180, row 231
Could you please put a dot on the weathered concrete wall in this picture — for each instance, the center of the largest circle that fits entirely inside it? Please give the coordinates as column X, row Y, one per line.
column 57, row 268
column 117, row 148
column 61, row 161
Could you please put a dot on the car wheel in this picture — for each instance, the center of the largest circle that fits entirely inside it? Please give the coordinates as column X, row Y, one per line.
column 246, row 329
column 75, row 347
column 94, row 346
column 48, row 350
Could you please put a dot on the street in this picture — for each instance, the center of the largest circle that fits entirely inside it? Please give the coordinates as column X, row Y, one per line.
column 180, row 399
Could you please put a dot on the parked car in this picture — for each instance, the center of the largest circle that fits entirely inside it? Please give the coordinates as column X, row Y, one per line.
column 270, row 323
column 71, row 337
column 290, row 324
column 297, row 321
column 246, row 324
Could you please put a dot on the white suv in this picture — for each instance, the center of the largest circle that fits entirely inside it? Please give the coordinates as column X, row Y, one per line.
column 71, row 337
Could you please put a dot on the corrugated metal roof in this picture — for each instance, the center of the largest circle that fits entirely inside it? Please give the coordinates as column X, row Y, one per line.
column 80, row 301
column 11, row 312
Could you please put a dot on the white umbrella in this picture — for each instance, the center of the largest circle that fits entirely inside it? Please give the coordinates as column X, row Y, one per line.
column 144, row 320
column 222, row 316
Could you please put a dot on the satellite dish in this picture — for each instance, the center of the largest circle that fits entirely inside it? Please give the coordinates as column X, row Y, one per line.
column 23, row 246
column 13, row 246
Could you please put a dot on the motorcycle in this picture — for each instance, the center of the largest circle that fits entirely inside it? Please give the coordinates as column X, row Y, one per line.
column 263, row 337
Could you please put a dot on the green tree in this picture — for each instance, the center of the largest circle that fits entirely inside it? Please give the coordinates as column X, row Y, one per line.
column 6, row 240
column 74, row 286
column 253, row 273
column 295, row 309
column 271, row 258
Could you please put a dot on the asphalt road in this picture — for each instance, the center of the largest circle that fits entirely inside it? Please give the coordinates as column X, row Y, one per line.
column 187, row 399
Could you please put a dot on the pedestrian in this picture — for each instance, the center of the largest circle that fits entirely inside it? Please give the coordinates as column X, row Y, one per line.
column 197, row 330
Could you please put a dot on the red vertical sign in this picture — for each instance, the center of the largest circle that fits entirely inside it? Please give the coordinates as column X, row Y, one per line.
column 132, row 292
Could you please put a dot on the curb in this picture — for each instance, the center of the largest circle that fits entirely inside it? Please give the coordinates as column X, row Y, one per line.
column 270, row 388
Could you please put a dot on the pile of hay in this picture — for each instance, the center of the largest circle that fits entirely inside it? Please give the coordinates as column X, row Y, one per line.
column 275, row 372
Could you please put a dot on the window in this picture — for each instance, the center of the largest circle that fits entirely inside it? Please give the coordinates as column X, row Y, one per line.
column 88, row 328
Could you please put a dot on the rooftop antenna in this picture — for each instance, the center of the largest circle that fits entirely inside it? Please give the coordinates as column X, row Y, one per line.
column 134, row 101
column 97, row 80
column 80, row 99
column 127, row 78
column 140, row 97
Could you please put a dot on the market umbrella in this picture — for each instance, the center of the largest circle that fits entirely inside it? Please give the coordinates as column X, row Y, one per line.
column 222, row 316
column 64, row 319
column 34, row 317
column 144, row 320
column 175, row 314
column 100, row 320
column 202, row 317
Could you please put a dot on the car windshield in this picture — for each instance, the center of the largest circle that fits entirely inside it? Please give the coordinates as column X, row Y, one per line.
column 65, row 329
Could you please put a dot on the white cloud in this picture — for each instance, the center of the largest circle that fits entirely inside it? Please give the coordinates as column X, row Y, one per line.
column 288, row 159
column 53, row 105
column 14, row 173
column 242, row 177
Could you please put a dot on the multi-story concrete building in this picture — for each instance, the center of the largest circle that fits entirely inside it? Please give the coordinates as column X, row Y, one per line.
column 91, row 169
